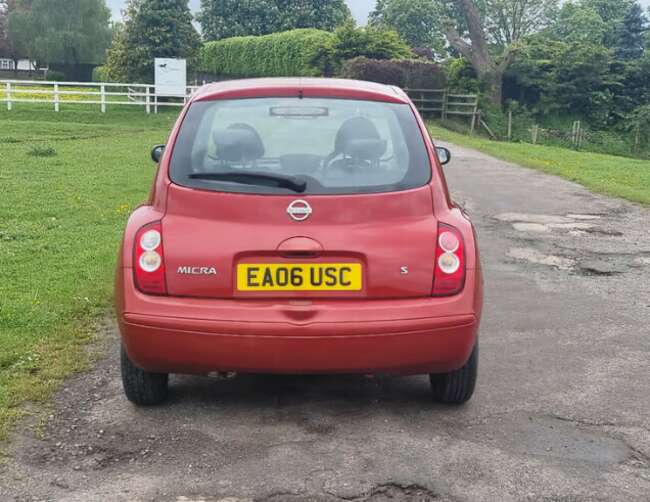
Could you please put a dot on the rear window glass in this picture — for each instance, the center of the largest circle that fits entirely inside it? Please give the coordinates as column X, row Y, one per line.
column 293, row 145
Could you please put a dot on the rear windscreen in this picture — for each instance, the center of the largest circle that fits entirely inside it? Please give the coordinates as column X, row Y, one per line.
column 293, row 145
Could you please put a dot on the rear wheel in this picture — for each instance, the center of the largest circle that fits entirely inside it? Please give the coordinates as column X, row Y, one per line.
column 141, row 387
column 456, row 387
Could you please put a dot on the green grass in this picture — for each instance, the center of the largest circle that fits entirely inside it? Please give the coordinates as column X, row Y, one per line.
column 616, row 176
column 69, row 181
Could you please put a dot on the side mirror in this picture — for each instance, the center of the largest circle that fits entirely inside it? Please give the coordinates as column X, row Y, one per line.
column 157, row 152
column 443, row 154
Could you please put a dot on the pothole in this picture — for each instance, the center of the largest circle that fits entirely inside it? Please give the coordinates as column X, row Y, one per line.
column 587, row 217
column 390, row 491
column 572, row 226
column 555, row 437
column 533, row 256
column 544, row 219
column 531, row 227
column 601, row 267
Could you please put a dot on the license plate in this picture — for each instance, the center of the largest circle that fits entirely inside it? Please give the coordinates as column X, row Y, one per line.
column 299, row 277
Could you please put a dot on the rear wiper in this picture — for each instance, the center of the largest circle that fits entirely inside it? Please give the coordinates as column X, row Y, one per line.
column 255, row 178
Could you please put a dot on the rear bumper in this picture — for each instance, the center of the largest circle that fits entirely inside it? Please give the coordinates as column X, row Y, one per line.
column 195, row 336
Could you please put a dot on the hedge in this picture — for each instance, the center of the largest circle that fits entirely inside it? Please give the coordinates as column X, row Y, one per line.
column 402, row 73
column 303, row 52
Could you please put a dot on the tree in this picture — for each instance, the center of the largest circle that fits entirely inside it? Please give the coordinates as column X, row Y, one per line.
column 486, row 33
column 578, row 23
column 574, row 78
column 61, row 31
column 152, row 28
column 234, row 18
column 230, row 18
column 416, row 21
column 630, row 35
column 612, row 12
column 6, row 46
column 321, row 14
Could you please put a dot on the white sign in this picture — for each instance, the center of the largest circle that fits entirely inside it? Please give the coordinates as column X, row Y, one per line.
column 171, row 77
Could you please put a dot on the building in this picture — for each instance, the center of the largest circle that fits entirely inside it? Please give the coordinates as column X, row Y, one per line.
column 23, row 65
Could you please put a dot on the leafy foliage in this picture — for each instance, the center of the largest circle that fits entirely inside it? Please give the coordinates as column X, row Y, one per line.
column 235, row 18
column 320, row 14
column 370, row 42
column 630, row 35
column 402, row 73
column 6, row 46
column 589, row 64
column 232, row 18
column 416, row 21
column 61, row 31
column 152, row 28
column 572, row 78
column 303, row 52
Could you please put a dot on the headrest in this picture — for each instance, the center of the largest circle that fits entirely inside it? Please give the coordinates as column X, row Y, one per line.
column 359, row 138
column 366, row 149
column 238, row 143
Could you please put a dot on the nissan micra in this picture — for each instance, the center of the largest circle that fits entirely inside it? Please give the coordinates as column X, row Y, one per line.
column 299, row 226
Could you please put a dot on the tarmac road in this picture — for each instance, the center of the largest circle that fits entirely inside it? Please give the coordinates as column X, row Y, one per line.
column 562, row 411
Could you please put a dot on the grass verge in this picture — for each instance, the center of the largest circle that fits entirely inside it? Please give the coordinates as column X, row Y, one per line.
column 616, row 176
column 69, row 181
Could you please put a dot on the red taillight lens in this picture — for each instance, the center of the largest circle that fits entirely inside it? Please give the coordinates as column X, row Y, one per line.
column 449, row 277
column 149, row 260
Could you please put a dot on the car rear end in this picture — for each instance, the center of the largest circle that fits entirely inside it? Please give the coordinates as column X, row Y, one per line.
column 299, row 227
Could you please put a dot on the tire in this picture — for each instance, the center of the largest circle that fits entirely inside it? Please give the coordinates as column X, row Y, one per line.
column 141, row 387
column 456, row 387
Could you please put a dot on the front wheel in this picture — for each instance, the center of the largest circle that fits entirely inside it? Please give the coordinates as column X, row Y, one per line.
column 456, row 387
column 141, row 387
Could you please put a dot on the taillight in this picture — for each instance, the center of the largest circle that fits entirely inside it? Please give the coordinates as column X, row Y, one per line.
column 449, row 277
column 149, row 260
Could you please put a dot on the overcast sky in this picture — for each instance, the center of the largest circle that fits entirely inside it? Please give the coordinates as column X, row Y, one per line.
column 360, row 8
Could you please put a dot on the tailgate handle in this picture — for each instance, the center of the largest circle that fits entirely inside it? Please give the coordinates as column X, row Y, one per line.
column 300, row 247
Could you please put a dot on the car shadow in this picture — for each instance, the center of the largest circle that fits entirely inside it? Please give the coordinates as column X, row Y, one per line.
column 328, row 391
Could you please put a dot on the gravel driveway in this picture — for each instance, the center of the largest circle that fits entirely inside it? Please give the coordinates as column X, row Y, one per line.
column 562, row 411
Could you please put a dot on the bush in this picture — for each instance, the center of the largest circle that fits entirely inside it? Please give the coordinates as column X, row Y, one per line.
column 101, row 74
column 304, row 52
column 56, row 76
column 462, row 76
column 413, row 74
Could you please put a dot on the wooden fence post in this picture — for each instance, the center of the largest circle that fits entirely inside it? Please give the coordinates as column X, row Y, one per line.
column 637, row 139
column 8, row 86
column 445, row 103
column 56, row 97
column 102, row 90
column 535, row 134
column 574, row 130
column 581, row 134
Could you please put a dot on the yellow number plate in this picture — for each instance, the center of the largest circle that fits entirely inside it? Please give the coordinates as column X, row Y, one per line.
column 302, row 277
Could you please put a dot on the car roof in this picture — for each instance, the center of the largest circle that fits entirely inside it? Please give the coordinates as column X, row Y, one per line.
column 301, row 87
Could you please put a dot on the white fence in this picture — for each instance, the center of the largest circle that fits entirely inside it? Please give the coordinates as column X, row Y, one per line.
column 101, row 94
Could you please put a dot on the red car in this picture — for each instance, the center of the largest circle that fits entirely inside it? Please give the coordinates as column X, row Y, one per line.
column 299, row 226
